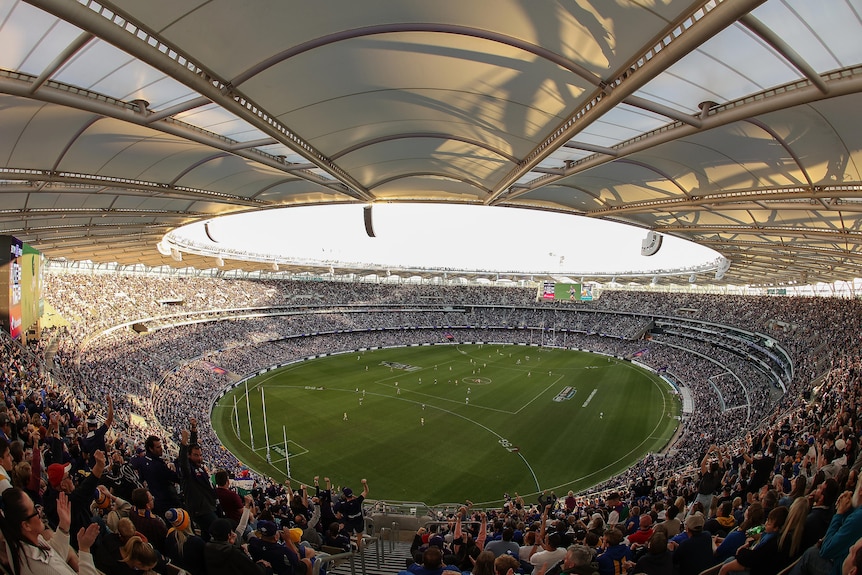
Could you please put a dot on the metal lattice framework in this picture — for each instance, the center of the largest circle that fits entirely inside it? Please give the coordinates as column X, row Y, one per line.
column 731, row 123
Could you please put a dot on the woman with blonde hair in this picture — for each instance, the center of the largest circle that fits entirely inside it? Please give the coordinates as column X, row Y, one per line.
column 790, row 542
column 182, row 546
column 139, row 554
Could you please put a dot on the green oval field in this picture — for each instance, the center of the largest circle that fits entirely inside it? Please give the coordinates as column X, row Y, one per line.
column 447, row 423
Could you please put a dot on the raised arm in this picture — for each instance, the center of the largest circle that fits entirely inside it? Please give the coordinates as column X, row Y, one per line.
column 109, row 421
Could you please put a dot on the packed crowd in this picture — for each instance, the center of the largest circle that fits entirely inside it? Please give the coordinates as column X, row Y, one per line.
column 136, row 461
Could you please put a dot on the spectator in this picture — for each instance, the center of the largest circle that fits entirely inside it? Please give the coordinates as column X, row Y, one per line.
column 763, row 556
column 145, row 519
column 160, row 478
column 844, row 529
column 182, row 546
column 198, row 492
column 694, row 554
column 615, row 554
column 31, row 551
column 231, row 503
column 350, row 511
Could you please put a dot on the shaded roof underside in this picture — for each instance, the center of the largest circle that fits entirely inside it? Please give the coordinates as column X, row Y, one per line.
column 733, row 124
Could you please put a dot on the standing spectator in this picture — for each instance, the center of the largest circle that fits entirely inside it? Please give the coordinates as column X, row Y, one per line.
column 198, row 491
column 231, row 503
column 159, row 476
column 94, row 440
column 711, row 473
column 351, row 512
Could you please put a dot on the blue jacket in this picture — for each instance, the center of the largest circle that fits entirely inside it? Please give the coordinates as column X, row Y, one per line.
column 844, row 531
column 611, row 561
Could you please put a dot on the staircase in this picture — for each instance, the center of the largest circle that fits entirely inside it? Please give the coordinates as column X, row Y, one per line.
column 378, row 558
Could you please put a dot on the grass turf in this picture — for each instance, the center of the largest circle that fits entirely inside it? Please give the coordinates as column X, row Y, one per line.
column 491, row 424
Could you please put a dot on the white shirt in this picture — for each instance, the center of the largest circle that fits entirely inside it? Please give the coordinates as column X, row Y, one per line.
column 549, row 558
column 49, row 558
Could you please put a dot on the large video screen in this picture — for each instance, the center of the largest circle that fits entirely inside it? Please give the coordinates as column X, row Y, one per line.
column 565, row 292
column 20, row 286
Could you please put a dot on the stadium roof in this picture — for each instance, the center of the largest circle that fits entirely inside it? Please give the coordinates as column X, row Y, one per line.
column 732, row 123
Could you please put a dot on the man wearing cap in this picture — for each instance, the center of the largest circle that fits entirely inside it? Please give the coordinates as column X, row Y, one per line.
column 195, row 479
column 224, row 557
column 694, row 554
column 350, row 511
column 95, row 437
column 285, row 557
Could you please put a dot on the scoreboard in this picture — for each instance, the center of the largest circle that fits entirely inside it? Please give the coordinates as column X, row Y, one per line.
column 556, row 291
column 20, row 286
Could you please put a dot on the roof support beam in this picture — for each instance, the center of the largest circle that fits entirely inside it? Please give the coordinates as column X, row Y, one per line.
column 253, row 144
column 783, row 48
column 150, row 188
column 662, row 110
column 82, row 40
column 177, row 109
column 591, row 148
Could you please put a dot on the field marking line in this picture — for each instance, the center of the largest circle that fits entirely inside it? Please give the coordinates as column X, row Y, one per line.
column 437, row 398
column 540, row 394
column 649, row 437
column 495, row 434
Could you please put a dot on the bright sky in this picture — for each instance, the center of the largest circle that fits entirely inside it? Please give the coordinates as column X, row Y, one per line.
column 447, row 236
